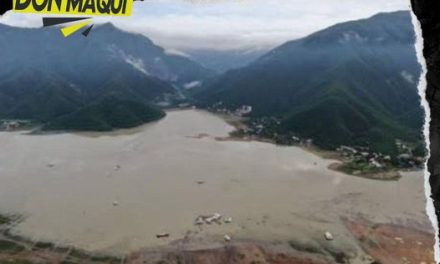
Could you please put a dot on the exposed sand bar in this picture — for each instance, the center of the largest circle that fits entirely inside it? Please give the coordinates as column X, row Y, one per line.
column 66, row 185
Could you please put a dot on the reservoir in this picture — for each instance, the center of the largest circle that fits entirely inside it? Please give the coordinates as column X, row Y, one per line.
column 114, row 192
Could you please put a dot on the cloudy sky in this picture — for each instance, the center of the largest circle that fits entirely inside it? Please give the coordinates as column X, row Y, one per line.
column 233, row 24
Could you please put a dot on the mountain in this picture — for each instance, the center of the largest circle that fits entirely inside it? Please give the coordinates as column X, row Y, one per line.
column 351, row 84
column 44, row 76
column 105, row 114
column 46, row 48
column 224, row 60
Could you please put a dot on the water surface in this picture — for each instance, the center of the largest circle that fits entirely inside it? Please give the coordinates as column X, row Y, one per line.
column 67, row 186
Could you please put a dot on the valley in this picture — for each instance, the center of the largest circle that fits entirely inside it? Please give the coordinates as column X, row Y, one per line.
column 117, row 150
column 353, row 84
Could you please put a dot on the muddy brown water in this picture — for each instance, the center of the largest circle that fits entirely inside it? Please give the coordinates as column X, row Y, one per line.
column 116, row 191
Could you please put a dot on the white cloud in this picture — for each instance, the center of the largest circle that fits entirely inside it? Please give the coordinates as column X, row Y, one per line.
column 233, row 24
column 192, row 85
column 407, row 76
column 177, row 52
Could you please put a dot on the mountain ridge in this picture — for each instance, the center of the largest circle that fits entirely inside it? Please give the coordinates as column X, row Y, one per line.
column 45, row 76
column 364, row 72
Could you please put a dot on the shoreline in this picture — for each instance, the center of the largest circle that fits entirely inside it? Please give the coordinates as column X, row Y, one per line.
column 377, row 242
column 273, row 223
column 388, row 175
column 391, row 174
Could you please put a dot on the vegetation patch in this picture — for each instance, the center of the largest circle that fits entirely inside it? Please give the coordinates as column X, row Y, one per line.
column 105, row 115
column 44, row 245
column 4, row 220
column 10, row 247
column 305, row 247
column 106, row 259
column 366, row 170
column 75, row 253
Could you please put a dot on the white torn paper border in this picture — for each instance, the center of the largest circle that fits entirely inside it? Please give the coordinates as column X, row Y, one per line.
column 422, row 86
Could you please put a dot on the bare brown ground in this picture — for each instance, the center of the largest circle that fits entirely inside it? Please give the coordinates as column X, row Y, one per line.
column 238, row 254
column 393, row 244
column 385, row 243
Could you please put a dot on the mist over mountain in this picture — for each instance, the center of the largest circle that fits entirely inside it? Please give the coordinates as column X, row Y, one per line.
column 224, row 60
column 45, row 76
column 46, row 48
column 352, row 83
